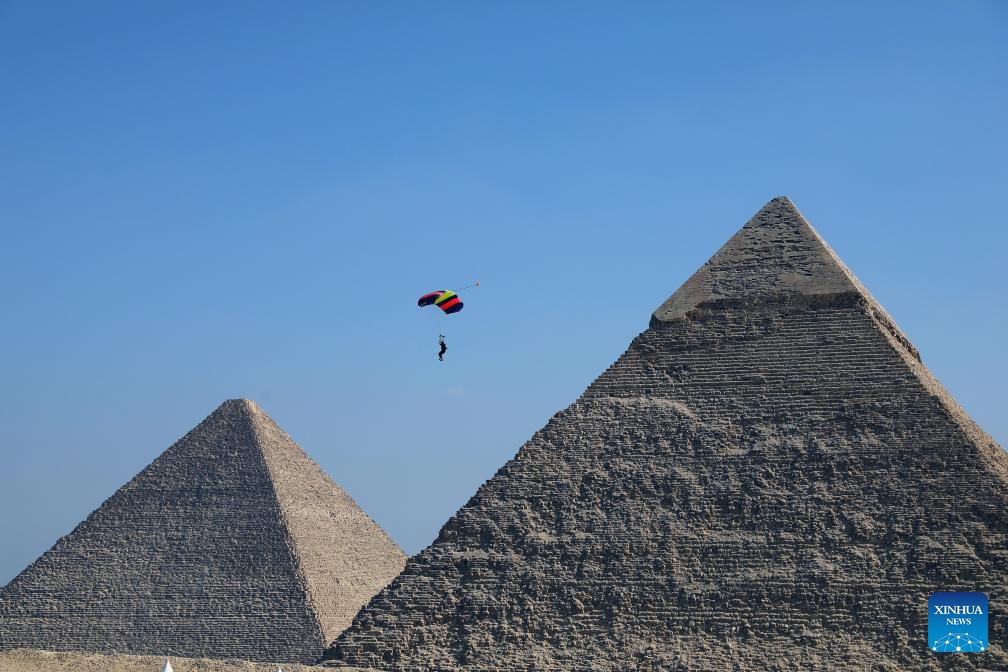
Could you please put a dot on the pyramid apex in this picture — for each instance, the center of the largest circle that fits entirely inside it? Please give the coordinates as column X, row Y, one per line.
column 780, row 200
column 240, row 409
column 240, row 402
column 783, row 204
column 775, row 255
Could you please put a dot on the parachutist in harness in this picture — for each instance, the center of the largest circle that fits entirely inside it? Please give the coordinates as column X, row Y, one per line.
column 449, row 303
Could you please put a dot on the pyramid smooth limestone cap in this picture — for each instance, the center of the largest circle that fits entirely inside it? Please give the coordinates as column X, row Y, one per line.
column 777, row 253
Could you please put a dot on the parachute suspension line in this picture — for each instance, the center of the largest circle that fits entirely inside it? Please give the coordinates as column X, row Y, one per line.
column 475, row 284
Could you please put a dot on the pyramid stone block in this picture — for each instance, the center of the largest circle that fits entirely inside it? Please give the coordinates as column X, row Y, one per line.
column 768, row 478
column 231, row 544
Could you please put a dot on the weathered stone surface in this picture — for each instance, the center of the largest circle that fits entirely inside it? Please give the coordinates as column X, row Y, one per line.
column 767, row 479
column 232, row 543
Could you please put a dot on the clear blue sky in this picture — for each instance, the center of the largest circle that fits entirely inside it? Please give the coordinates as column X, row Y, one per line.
column 202, row 201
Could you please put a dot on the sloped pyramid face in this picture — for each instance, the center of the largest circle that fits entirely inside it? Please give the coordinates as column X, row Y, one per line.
column 232, row 543
column 768, row 478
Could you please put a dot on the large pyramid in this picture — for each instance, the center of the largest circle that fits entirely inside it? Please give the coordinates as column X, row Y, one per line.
column 767, row 479
column 232, row 543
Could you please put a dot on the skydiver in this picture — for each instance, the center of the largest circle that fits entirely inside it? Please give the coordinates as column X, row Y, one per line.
column 444, row 348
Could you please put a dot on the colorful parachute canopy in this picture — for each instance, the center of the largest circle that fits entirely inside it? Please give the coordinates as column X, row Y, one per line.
column 445, row 299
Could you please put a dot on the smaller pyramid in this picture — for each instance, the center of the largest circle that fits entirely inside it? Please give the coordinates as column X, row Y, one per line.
column 233, row 543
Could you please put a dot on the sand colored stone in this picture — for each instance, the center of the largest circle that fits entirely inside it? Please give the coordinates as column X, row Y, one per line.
column 35, row 660
column 231, row 544
column 767, row 479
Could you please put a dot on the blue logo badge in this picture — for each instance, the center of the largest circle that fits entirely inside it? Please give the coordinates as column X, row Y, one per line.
column 957, row 622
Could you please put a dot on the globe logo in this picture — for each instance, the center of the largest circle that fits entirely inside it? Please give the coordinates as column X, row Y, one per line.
column 957, row 622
